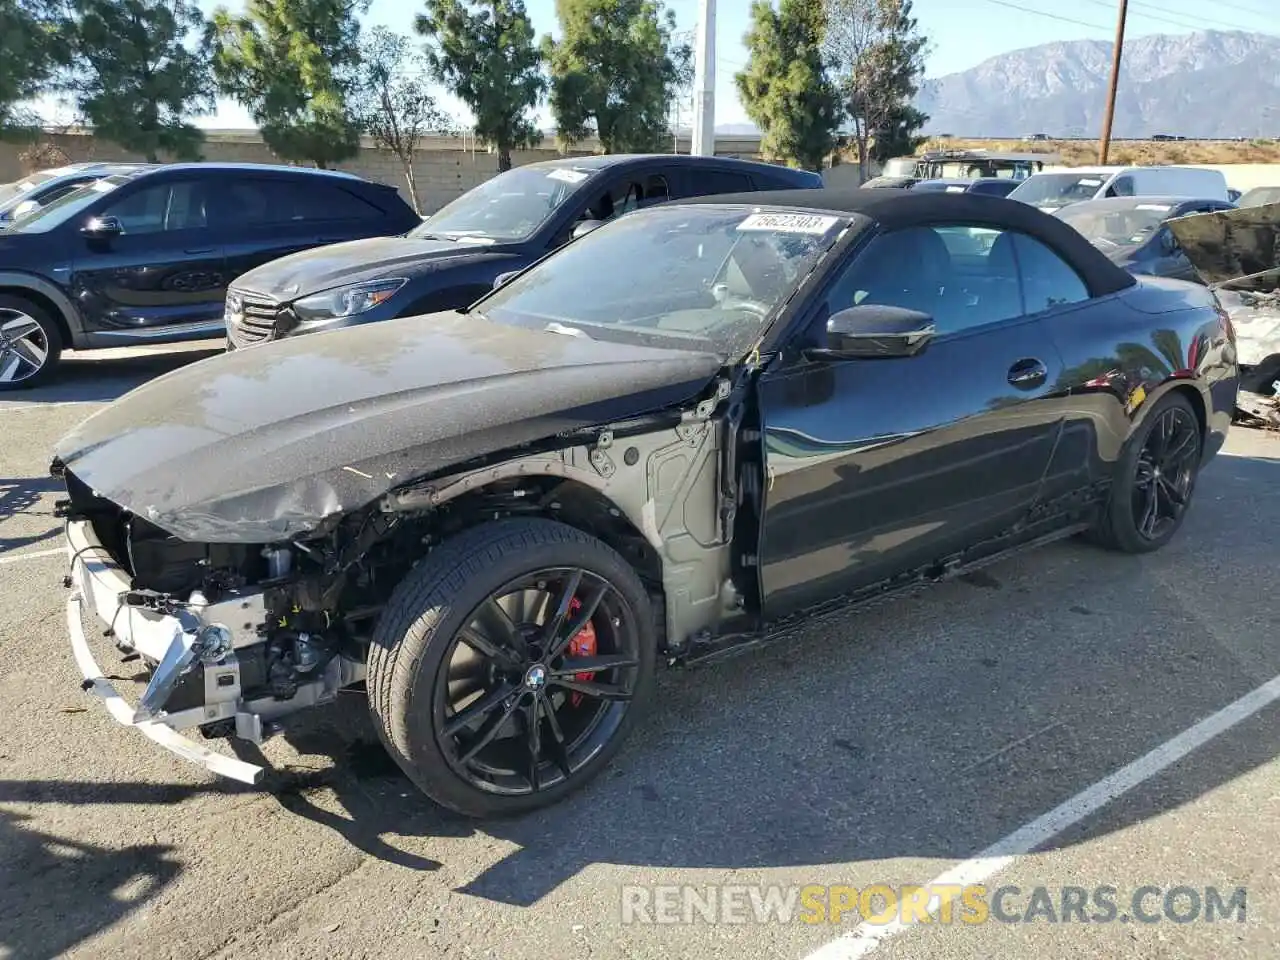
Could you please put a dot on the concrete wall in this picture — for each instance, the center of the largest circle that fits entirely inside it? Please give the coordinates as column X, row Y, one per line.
column 445, row 167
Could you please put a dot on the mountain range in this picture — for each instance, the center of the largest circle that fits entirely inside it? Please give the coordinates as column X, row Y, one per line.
column 1212, row 84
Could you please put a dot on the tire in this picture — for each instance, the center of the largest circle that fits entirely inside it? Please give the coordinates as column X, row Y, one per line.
column 416, row 653
column 27, row 332
column 1122, row 524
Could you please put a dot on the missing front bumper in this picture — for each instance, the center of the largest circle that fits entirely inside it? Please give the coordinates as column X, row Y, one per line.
column 173, row 642
column 157, row 731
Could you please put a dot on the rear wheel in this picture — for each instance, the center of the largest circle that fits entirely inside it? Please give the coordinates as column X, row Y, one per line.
column 30, row 343
column 1154, row 480
column 510, row 665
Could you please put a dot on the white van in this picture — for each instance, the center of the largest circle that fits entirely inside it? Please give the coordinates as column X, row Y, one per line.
column 1055, row 189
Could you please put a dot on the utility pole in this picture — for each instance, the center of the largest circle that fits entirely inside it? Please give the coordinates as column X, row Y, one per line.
column 703, row 141
column 1104, row 145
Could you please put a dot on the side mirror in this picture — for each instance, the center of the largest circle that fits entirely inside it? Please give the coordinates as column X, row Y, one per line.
column 874, row 331
column 503, row 278
column 586, row 226
column 102, row 227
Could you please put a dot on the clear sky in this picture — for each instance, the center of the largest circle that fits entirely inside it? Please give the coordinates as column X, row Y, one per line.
column 963, row 33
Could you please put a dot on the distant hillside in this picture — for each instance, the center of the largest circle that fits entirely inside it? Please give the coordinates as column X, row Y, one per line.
column 1211, row 84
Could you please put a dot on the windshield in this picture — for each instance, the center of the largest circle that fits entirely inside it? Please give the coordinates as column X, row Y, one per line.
column 12, row 191
column 1049, row 189
column 510, row 206
column 701, row 278
column 1116, row 223
column 65, row 207
column 899, row 167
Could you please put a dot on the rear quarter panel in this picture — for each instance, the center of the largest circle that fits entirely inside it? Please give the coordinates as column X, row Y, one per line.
column 1125, row 352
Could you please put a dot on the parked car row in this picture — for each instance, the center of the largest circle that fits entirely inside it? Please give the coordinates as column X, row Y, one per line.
column 652, row 445
column 151, row 254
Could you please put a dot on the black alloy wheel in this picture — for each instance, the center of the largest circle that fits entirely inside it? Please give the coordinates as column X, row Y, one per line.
column 510, row 664
column 1165, row 473
column 1154, row 479
column 537, row 682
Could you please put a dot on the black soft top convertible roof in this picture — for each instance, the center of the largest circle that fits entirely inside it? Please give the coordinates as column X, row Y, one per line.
column 896, row 209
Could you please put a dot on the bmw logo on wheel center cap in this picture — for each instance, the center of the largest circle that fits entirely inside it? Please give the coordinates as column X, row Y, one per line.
column 536, row 678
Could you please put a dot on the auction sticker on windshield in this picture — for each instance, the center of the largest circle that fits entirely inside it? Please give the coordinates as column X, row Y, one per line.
column 567, row 175
column 789, row 223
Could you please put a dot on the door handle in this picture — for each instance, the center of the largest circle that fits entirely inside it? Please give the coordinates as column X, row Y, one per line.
column 1028, row 373
column 199, row 250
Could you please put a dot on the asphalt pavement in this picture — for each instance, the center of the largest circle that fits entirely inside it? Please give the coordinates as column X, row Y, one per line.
column 1132, row 700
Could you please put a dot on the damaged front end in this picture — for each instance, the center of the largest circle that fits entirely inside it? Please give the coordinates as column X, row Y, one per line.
column 235, row 637
column 1237, row 254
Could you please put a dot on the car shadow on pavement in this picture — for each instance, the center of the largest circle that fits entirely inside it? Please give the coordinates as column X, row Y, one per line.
column 102, row 376
column 20, row 497
column 65, row 891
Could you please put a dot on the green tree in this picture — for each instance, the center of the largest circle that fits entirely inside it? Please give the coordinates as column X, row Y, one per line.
column 135, row 77
column 393, row 103
column 484, row 52
column 784, row 87
column 32, row 46
column 900, row 134
column 293, row 64
column 876, row 52
column 615, row 70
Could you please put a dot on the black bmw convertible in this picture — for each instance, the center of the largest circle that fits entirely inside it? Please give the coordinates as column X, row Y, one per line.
column 654, row 446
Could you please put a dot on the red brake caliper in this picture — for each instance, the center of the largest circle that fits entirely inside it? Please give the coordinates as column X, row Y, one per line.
column 583, row 644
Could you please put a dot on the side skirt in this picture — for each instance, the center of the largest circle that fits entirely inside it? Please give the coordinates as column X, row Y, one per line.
column 1049, row 523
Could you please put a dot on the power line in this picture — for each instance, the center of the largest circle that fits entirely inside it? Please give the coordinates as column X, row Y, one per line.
column 1198, row 22
column 1042, row 13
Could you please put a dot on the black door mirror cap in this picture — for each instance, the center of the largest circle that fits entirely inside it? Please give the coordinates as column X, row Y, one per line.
column 874, row 331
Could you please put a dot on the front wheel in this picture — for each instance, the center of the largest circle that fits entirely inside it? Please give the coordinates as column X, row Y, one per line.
column 30, row 344
column 510, row 665
column 1153, row 481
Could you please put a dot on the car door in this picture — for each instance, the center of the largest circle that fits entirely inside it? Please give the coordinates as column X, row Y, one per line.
column 164, row 269
column 877, row 467
column 266, row 218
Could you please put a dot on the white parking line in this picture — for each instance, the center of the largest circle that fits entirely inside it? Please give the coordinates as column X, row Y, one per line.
column 33, row 555
column 52, row 404
column 865, row 938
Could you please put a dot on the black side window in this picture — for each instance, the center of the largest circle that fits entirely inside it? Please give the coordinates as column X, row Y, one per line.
column 1048, row 281
column 707, row 182
column 256, row 202
column 162, row 207
column 960, row 276
column 1123, row 187
column 297, row 201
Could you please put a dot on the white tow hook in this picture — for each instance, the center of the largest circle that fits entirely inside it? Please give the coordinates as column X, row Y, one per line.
column 209, row 644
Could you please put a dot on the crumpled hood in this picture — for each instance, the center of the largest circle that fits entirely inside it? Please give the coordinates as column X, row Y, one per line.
column 322, row 268
column 1227, row 246
column 262, row 445
column 1230, row 244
